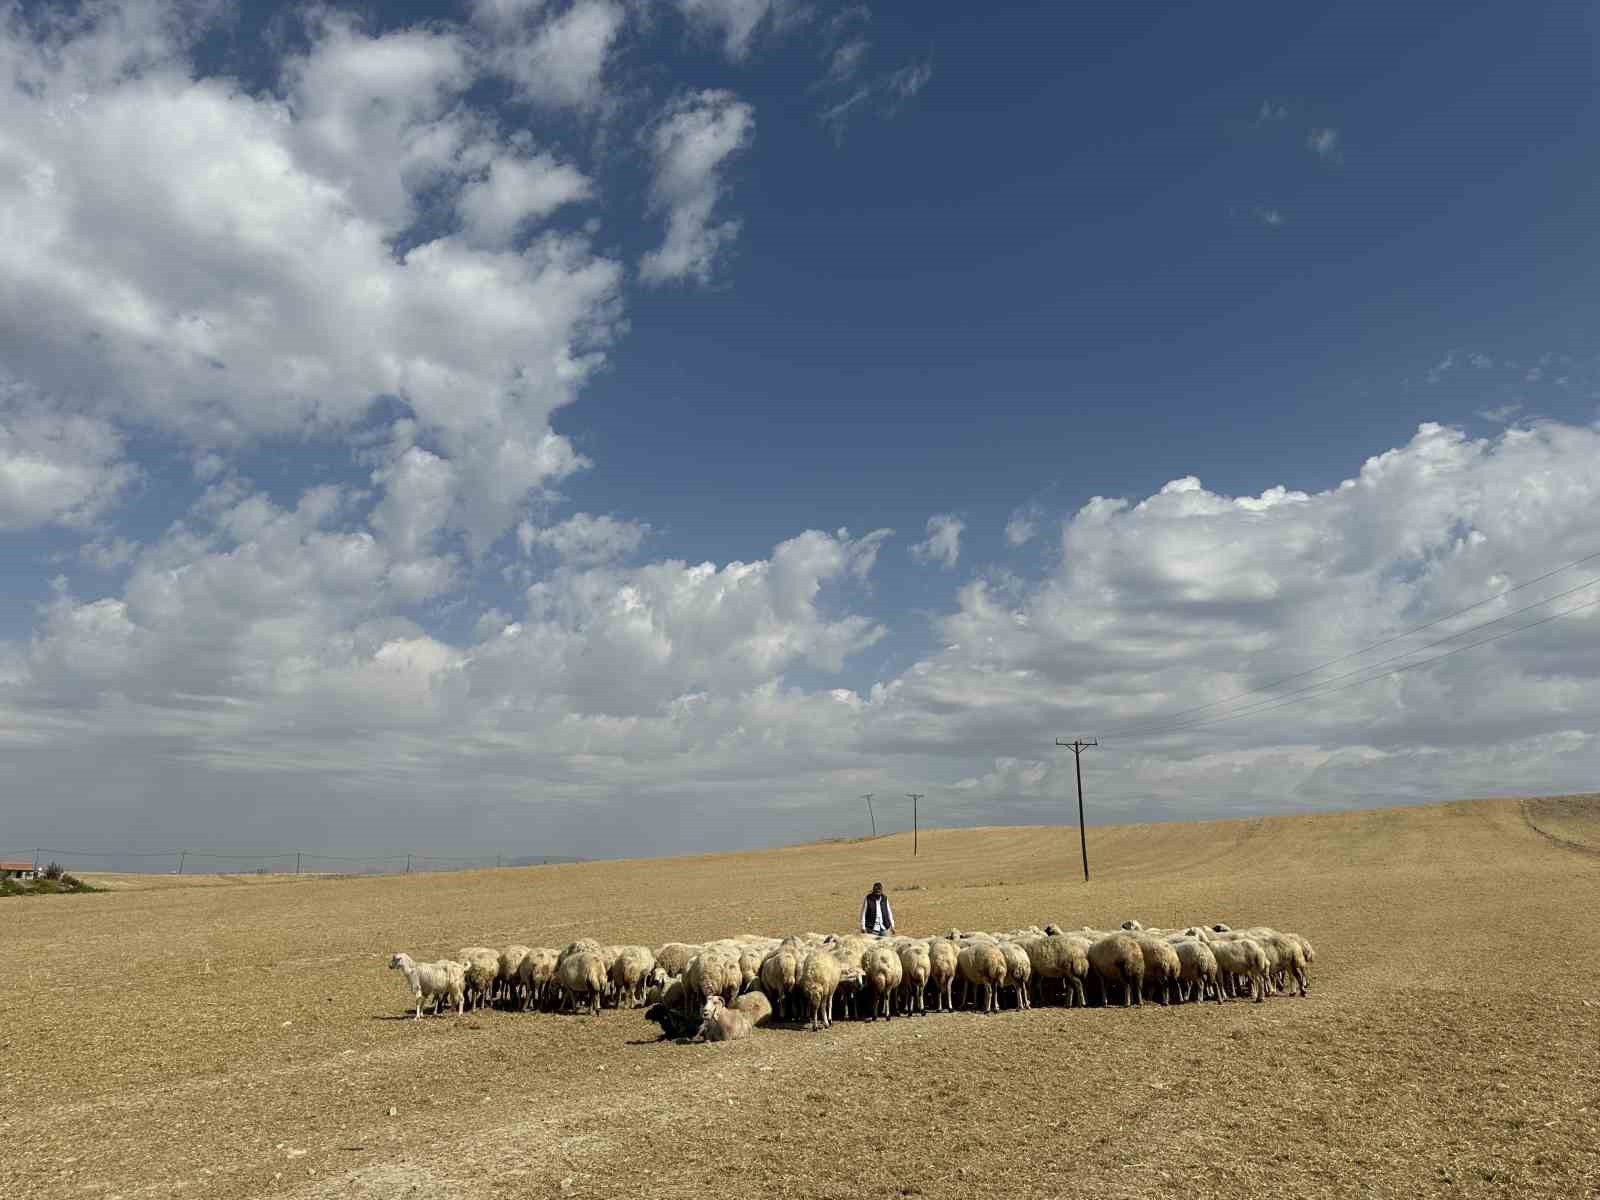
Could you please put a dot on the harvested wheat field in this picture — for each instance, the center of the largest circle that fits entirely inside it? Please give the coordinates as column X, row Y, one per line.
column 247, row 1041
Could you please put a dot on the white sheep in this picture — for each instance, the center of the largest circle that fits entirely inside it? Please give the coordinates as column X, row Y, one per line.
column 1019, row 969
column 1116, row 958
column 756, row 1008
column 819, row 979
column 508, row 984
column 1239, row 957
column 435, row 982
column 880, row 967
column 483, row 968
column 915, row 969
column 673, row 958
column 982, row 965
column 581, row 971
column 536, row 976
column 630, row 974
column 1198, row 968
column 1162, row 967
column 719, row 1023
column 942, row 956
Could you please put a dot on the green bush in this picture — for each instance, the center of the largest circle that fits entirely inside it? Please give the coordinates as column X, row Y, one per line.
column 54, row 871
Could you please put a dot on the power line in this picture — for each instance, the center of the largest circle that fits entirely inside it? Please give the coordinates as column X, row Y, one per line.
column 1297, row 697
column 1266, row 687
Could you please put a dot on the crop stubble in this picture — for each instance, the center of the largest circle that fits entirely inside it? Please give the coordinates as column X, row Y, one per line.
column 244, row 1040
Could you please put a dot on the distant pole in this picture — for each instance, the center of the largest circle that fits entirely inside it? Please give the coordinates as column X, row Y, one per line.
column 497, row 862
column 408, row 864
column 1078, row 746
column 297, row 862
column 867, row 796
column 182, row 854
column 915, row 796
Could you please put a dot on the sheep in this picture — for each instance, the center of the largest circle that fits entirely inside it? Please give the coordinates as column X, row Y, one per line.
column 780, row 974
column 1056, row 956
column 942, row 956
column 483, row 968
column 1197, row 969
column 1116, row 958
column 435, row 982
column 508, row 983
column 1131, row 926
column 819, row 979
column 581, row 972
column 915, row 968
column 712, row 972
column 1019, row 969
column 1162, row 967
column 852, row 982
column 536, row 976
column 982, row 965
column 756, row 1008
column 719, row 1023
column 630, row 973
column 881, row 969
column 668, row 1012
column 1285, row 957
column 673, row 958
column 1241, row 957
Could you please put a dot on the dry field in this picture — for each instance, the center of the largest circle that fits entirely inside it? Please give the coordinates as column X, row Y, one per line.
column 243, row 1040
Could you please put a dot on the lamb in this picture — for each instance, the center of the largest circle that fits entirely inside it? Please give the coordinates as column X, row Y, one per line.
column 719, row 1023
column 483, row 968
column 982, row 965
column 915, row 968
column 1198, row 969
column 1019, row 969
column 819, row 979
column 1241, row 957
column 756, row 1008
column 536, row 976
column 942, row 956
column 1162, row 967
column 630, row 974
column 1116, row 958
column 581, row 972
column 435, row 982
column 881, row 968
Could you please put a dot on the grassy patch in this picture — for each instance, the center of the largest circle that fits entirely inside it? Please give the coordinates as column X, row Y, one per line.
column 67, row 884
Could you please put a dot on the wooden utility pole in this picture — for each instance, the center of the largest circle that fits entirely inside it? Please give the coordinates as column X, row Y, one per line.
column 867, row 796
column 1078, row 746
column 915, row 796
column 182, row 854
column 408, row 864
column 297, row 862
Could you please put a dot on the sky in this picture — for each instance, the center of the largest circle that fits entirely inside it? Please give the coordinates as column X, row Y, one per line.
column 597, row 427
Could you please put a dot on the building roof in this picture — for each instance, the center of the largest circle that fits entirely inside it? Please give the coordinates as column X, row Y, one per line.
column 16, row 866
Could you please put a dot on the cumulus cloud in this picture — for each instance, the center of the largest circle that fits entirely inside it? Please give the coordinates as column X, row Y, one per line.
column 943, row 543
column 691, row 145
column 58, row 470
column 514, row 191
column 557, row 58
column 583, row 538
column 223, row 266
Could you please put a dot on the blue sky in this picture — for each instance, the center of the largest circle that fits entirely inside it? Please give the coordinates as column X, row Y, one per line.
column 520, row 311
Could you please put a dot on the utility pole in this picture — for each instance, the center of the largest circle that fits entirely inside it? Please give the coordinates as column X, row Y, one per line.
column 182, row 854
column 1078, row 746
column 297, row 862
column 867, row 796
column 408, row 864
column 915, row 796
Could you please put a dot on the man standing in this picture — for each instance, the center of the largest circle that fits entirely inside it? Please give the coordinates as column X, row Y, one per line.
column 877, row 918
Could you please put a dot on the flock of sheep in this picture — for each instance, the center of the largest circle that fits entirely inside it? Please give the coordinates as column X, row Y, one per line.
column 724, row 989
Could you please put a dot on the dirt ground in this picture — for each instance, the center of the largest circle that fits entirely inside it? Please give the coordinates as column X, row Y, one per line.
column 233, row 1040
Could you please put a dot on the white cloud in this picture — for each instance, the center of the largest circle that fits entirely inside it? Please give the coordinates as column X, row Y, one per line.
column 886, row 94
column 584, row 539
column 943, row 543
column 691, row 145
column 1324, row 143
column 220, row 266
column 1271, row 217
column 1023, row 525
column 1271, row 111
column 738, row 22
column 560, row 61
column 513, row 192
column 58, row 470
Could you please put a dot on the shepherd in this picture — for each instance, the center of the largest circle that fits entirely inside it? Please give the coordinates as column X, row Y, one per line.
column 877, row 918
